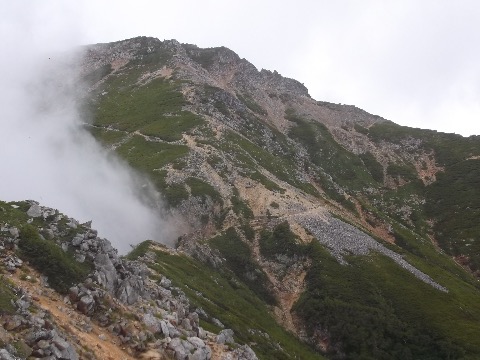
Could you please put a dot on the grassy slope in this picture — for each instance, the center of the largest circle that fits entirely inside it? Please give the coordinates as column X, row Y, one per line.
column 45, row 255
column 222, row 296
column 372, row 308
column 129, row 107
column 453, row 200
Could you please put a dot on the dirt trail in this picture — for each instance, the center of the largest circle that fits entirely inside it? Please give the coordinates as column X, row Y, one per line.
column 70, row 320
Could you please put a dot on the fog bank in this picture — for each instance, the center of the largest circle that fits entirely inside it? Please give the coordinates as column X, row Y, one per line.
column 45, row 152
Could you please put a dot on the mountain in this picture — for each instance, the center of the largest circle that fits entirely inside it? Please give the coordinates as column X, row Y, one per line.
column 311, row 229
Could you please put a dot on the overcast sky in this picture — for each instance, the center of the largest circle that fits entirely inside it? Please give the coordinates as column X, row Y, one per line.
column 415, row 62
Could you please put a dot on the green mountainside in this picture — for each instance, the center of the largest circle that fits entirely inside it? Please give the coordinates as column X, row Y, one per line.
column 314, row 230
column 239, row 152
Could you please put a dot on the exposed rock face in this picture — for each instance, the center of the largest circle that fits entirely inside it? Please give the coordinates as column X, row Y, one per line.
column 225, row 336
column 34, row 211
column 114, row 284
column 41, row 338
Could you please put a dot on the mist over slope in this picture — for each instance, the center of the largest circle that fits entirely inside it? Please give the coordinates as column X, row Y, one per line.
column 47, row 155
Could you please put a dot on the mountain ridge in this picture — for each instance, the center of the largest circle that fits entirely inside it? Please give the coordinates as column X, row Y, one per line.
column 341, row 225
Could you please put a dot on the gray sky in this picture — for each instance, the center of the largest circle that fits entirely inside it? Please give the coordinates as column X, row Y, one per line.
column 416, row 63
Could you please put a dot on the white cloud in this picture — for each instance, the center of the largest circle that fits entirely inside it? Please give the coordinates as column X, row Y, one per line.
column 402, row 60
column 411, row 62
column 45, row 153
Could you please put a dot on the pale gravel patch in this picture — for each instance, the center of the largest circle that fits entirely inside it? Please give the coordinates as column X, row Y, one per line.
column 342, row 239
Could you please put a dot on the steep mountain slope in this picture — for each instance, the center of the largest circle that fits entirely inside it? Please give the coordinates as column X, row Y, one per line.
column 311, row 229
column 66, row 294
column 274, row 185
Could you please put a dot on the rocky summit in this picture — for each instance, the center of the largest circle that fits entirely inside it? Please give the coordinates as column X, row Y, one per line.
column 311, row 230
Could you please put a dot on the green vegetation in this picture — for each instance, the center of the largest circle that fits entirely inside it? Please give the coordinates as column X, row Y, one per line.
column 151, row 55
column 334, row 192
column 47, row 257
column 139, row 250
column 248, row 231
column 148, row 155
column 448, row 148
column 174, row 193
column 214, row 93
column 274, row 205
column 282, row 167
column 13, row 216
column 454, row 200
column 98, row 74
column 269, row 184
column 280, row 242
column 236, row 306
column 6, row 297
column 205, row 57
column 344, row 167
column 130, row 106
column 240, row 207
column 202, row 189
column 154, row 109
column 375, row 309
column 360, row 129
column 373, row 166
column 251, row 104
column 106, row 136
column 238, row 258
column 406, row 172
column 391, row 132
column 171, row 128
column 370, row 309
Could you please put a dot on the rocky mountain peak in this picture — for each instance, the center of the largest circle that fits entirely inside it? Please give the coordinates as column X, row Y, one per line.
column 353, row 233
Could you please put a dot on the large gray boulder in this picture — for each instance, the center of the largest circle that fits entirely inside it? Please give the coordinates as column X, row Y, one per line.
column 244, row 352
column 225, row 336
column 129, row 290
column 106, row 274
column 34, row 211
column 152, row 323
column 5, row 355
column 86, row 304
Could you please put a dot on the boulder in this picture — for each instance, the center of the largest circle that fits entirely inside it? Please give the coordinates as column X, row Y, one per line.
column 86, row 304
column 129, row 289
column 5, row 355
column 165, row 331
column 34, row 211
column 196, row 342
column 77, row 240
column 37, row 335
column 201, row 354
column 152, row 323
column 106, row 273
column 14, row 232
column 244, row 352
column 12, row 322
column 225, row 336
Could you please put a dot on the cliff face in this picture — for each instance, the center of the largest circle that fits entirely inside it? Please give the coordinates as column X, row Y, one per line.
column 355, row 234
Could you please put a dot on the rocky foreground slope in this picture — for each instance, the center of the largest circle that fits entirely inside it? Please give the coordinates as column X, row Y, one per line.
column 119, row 310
